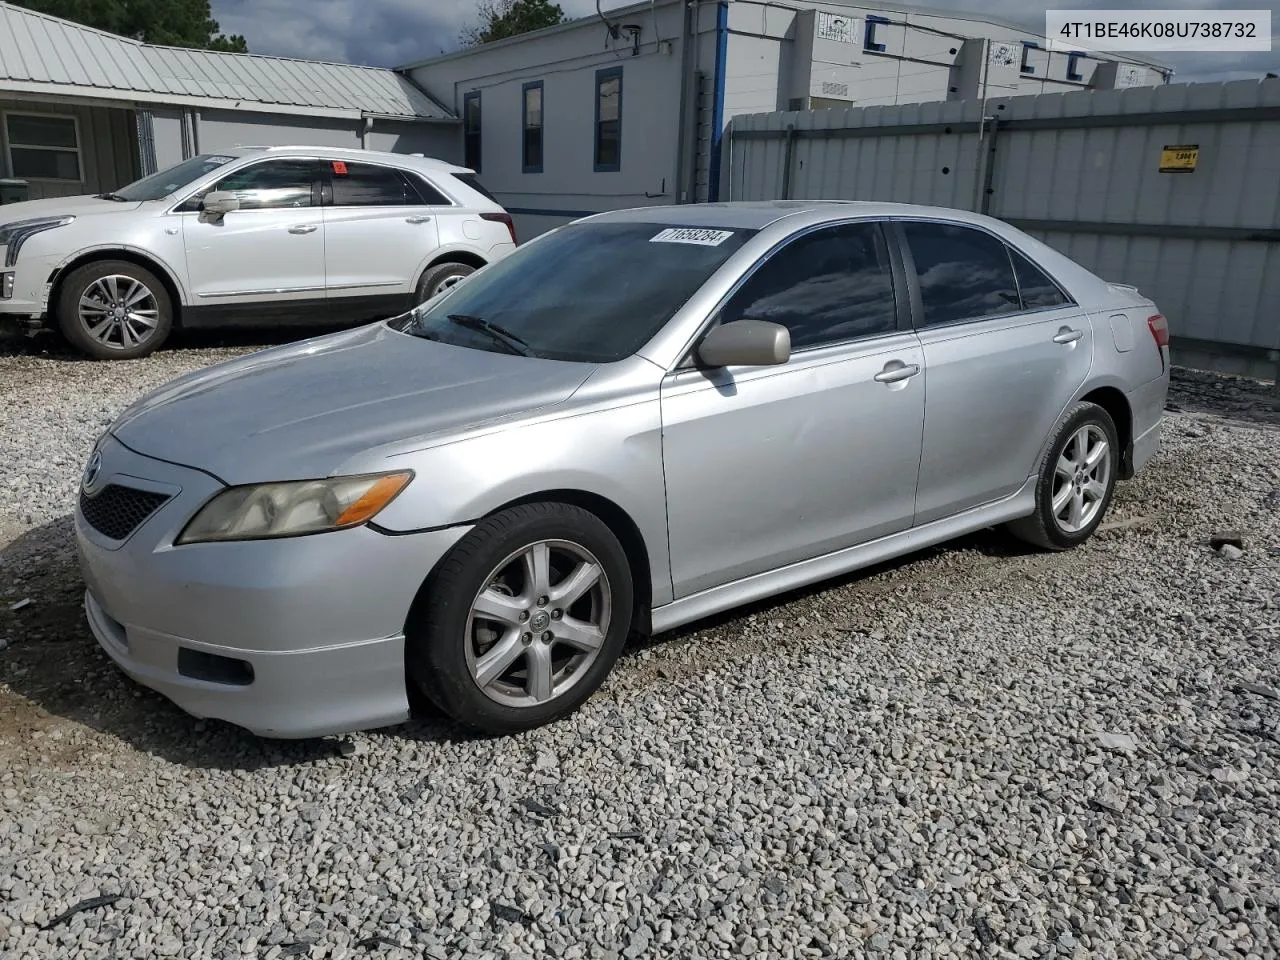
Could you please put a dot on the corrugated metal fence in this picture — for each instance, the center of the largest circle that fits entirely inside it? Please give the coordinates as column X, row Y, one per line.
column 1081, row 171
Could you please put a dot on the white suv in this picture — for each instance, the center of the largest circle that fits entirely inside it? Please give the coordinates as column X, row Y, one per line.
column 255, row 235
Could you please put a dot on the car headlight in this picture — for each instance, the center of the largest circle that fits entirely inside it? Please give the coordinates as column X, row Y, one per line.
column 14, row 235
column 268, row 510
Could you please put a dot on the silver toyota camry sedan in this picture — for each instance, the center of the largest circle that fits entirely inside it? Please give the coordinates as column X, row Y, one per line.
column 634, row 421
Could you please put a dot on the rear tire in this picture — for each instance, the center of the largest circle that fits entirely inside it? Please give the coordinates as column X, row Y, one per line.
column 114, row 310
column 435, row 280
column 523, row 619
column 1077, row 478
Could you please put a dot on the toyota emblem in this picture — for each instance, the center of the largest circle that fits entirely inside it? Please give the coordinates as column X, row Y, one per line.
column 91, row 470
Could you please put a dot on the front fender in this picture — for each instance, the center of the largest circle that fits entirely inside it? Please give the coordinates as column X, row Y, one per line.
column 103, row 250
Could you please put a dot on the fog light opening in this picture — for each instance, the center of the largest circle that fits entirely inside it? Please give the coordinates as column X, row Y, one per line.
column 198, row 665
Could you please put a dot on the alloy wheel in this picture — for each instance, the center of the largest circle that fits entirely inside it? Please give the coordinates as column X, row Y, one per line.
column 119, row 312
column 1081, row 478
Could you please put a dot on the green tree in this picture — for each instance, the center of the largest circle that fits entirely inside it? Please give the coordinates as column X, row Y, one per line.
column 174, row 23
column 500, row 19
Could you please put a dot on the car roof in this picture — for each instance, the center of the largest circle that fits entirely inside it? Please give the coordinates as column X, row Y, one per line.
column 758, row 214
column 353, row 154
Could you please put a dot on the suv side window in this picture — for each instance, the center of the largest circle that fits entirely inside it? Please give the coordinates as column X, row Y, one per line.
column 1038, row 291
column 827, row 286
column 964, row 274
column 272, row 184
column 369, row 185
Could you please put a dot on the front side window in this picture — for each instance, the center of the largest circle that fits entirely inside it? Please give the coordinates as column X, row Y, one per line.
column 471, row 131
column 831, row 285
column 272, row 185
column 532, row 111
column 608, row 149
column 368, row 185
column 593, row 292
column 165, row 182
column 43, row 148
column 964, row 274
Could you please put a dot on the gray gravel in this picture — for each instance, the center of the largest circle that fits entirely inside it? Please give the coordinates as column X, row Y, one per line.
column 979, row 751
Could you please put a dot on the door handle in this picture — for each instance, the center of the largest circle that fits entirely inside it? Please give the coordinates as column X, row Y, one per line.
column 896, row 370
column 417, row 219
column 1067, row 335
column 303, row 228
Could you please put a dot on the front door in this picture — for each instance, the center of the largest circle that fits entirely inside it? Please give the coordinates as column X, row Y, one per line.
column 379, row 234
column 768, row 466
column 1005, row 350
column 265, row 260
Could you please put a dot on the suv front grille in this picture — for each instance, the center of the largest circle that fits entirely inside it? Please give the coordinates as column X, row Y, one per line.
column 117, row 511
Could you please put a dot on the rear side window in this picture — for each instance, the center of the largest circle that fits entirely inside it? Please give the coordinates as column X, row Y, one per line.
column 964, row 274
column 1038, row 291
column 367, row 185
column 474, row 183
column 427, row 193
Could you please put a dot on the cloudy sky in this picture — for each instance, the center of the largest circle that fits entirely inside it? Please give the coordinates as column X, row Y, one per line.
column 388, row 33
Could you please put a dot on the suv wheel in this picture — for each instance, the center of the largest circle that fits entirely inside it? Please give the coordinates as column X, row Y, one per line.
column 114, row 310
column 436, row 280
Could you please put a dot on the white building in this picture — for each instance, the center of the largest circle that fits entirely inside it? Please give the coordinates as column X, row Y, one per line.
column 629, row 109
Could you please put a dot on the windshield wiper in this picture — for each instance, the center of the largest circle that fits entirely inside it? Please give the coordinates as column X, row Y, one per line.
column 113, row 196
column 495, row 332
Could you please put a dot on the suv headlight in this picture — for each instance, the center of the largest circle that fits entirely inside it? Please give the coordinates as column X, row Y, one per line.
column 268, row 510
column 14, row 235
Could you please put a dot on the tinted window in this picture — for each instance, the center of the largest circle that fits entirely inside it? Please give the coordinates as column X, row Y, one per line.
column 595, row 292
column 471, row 181
column 271, row 184
column 1037, row 290
column 608, row 153
column 366, row 185
column 964, row 274
column 830, row 285
column 426, row 192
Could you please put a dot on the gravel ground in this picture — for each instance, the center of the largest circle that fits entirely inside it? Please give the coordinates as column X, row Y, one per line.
column 978, row 751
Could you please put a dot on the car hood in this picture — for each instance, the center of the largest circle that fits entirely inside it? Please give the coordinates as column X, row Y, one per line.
column 303, row 410
column 61, row 207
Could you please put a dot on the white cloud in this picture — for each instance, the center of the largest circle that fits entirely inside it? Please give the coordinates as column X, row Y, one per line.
column 393, row 32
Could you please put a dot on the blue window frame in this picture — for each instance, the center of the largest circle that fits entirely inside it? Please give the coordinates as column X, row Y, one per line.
column 608, row 128
column 869, row 38
column 1072, row 59
column 531, row 127
column 1027, row 47
column 471, row 130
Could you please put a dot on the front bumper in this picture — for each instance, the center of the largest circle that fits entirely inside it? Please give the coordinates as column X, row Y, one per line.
column 296, row 637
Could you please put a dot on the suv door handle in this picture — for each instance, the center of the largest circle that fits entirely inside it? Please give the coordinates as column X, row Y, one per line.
column 303, row 228
column 896, row 370
column 417, row 219
column 1067, row 335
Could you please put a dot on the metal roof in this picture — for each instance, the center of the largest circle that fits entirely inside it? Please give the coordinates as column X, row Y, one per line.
column 44, row 54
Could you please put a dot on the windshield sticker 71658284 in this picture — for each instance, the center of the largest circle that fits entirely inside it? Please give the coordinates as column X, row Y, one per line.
column 698, row 235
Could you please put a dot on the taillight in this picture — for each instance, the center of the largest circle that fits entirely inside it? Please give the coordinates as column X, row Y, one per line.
column 1159, row 328
column 502, row 218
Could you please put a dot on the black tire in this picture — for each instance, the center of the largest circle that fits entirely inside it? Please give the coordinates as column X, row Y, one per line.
column 434, row 279
column 122, row 341
column 440, row 631
column 1044, row 528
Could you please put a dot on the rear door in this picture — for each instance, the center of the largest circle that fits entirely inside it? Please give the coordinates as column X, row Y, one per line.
column 1005, row 350
column 380, row 232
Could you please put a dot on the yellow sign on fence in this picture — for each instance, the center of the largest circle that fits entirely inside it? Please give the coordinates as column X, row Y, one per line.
column 1179, row 159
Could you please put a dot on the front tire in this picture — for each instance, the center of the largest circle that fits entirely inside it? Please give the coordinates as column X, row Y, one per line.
column 523, row 619
column 114, row 310
column 1077, row 479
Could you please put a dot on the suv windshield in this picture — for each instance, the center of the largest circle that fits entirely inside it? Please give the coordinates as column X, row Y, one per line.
column 593, row 292
column 165, row 182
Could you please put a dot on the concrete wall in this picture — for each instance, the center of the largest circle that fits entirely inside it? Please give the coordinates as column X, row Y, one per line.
column 108, row 147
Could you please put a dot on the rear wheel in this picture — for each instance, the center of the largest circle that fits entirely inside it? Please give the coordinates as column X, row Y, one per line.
column 1077, row 479
column 523, row 619
column 436, row 280
column 114, row 310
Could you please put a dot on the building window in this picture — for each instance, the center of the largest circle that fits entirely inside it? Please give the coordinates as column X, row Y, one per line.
column 608, row 152
column 869, row 38
column 1027, row 47
column 1073, row 72
column 471, row 131
column 43, row 147
column 531, row 119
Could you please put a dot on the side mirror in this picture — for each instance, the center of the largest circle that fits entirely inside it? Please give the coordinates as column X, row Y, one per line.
column 218, row 202
column 748, row 343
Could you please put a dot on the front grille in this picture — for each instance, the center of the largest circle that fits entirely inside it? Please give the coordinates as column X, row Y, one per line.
column 117, row 511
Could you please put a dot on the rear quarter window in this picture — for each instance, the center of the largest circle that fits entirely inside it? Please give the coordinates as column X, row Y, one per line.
column 472, row 181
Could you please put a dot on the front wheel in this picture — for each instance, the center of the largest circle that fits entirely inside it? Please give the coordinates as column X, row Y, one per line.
column 524, row 618
column 1076, row 480
column 114, row 310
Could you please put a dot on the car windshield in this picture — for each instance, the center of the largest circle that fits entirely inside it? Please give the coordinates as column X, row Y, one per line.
column 593, row 292
column 165, row 182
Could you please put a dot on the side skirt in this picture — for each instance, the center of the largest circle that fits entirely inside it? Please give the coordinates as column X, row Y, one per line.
column 761, row 585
